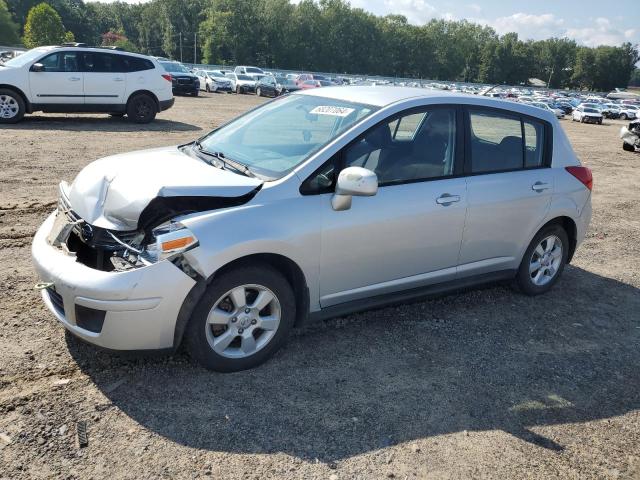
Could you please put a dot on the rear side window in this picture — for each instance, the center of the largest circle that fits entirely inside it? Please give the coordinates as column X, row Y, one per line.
column 501, row 142
column 136, row 64
column 102, row 62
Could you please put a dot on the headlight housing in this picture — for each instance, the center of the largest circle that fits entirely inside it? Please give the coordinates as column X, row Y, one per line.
column 168, row 240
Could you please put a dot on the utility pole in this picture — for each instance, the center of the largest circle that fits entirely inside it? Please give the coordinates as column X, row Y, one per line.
column 180, row 47
column 195, row 48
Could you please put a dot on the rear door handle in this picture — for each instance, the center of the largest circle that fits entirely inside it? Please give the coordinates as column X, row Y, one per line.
column 540, row 186
column 118, row 79
column 74, row 79
column 446, row 199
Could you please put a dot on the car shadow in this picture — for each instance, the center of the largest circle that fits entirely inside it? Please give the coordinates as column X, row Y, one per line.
column 486, row 359
column 102, row 123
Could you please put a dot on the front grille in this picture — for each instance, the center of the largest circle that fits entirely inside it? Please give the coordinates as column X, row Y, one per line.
column 56, row 300
column 185, row 81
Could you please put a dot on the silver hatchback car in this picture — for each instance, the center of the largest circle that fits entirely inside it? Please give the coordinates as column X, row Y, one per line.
column 313, row 205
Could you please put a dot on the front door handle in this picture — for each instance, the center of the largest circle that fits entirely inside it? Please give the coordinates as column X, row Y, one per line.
column 118, row 79
column 74, row 79
column 445, row 199
column 540, row 186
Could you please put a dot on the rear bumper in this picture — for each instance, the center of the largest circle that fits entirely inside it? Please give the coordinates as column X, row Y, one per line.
column 141, row 306
column 167, row 104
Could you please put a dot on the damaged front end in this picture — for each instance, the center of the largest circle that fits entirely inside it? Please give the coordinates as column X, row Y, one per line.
column 158, row 237
column 630, row 136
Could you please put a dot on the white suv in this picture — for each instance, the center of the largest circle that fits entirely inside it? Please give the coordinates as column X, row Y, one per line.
column 74, row 78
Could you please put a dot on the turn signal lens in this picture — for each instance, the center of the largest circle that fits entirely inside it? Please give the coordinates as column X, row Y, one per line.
column 177, row 243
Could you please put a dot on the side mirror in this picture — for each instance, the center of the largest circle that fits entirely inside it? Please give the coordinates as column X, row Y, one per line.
column 37, row 67
column 352, row 181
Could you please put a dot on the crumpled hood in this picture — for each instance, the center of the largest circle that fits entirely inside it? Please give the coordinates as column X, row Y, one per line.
column 112, row 192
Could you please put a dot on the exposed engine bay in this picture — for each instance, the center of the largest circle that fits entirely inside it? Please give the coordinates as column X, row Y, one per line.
column 121, row 250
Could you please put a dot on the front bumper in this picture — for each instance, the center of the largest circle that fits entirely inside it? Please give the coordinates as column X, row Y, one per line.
column 185, row 89
column 141, row 305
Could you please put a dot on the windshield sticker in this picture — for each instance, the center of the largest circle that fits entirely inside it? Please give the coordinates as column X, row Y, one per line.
column 335, row 111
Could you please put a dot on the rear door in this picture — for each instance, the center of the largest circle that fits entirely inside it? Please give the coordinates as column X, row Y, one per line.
column 61, row 81
column 509, row 188
column 104, row 78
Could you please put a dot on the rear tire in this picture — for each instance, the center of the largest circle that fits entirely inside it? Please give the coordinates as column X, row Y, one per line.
column 141, row 108
column 225, row 320
column 543, row 262
column 628, row 148
column 12, row 107
column 207, row 89
column 259, row 92
column 623, row 116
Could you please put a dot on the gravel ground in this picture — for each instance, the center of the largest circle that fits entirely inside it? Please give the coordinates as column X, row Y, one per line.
column 487, row 383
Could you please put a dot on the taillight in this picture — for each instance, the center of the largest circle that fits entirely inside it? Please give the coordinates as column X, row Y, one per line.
column 166, row 76
column 583, row 174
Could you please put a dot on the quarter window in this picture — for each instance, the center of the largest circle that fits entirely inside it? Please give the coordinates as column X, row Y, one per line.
column 412, row 147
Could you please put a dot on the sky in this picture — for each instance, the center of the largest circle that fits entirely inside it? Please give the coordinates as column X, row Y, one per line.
column 589, row 22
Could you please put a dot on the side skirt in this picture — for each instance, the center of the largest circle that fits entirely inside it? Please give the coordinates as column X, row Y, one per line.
column 404, row 296
column 78, row 108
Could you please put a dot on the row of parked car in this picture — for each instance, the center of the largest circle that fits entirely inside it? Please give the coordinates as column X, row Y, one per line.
column 240, row 80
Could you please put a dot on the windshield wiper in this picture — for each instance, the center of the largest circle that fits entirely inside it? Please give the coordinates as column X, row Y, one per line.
column 226, row 162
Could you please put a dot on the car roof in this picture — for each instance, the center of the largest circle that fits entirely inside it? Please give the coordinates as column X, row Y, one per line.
column 91, row 49
column 382, row 96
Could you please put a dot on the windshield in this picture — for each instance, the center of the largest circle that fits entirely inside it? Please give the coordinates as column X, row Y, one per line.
column 174, row 67
column 590, row 110
column 22, row 60
column 253, row 70
column 244, row 77
column 273, row 139
column 216, row 75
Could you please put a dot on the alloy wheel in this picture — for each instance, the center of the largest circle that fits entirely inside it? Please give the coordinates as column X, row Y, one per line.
column 9, row 107
column 545, row 260
column 243, row 321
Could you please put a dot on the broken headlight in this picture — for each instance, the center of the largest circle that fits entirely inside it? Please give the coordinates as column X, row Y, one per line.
column 168, row 240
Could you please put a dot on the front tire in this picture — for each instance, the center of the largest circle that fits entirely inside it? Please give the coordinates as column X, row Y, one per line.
column 12, row 107
column 141, row 108
column 243, row 318
column 544, row 261
column 623, row 116
column 259, row 92
column 207, row 88
column 628, row 148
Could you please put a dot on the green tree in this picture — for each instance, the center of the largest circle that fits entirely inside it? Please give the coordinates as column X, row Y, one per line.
column 8, row 28
column 44, row 27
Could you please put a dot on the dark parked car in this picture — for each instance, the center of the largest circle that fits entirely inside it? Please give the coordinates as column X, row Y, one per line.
column 182, row 80
column 273, row 86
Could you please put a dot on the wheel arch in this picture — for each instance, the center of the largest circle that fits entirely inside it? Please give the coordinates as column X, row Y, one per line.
column 287, row 267
column 26, row 101
column 148, row 92
column 569, row 226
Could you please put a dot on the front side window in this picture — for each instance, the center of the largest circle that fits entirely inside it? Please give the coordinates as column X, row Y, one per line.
column 61, row 62
column 275, row 138
column 412, row 147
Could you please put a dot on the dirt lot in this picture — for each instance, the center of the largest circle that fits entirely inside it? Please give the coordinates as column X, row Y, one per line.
column 484, row 384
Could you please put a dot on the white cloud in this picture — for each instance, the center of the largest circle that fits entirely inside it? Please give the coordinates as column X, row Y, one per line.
column 603, row 32
column 529, row 26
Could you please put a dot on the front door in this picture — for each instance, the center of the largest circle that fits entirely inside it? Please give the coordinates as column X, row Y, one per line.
column 61, row 81
column 407, row 235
